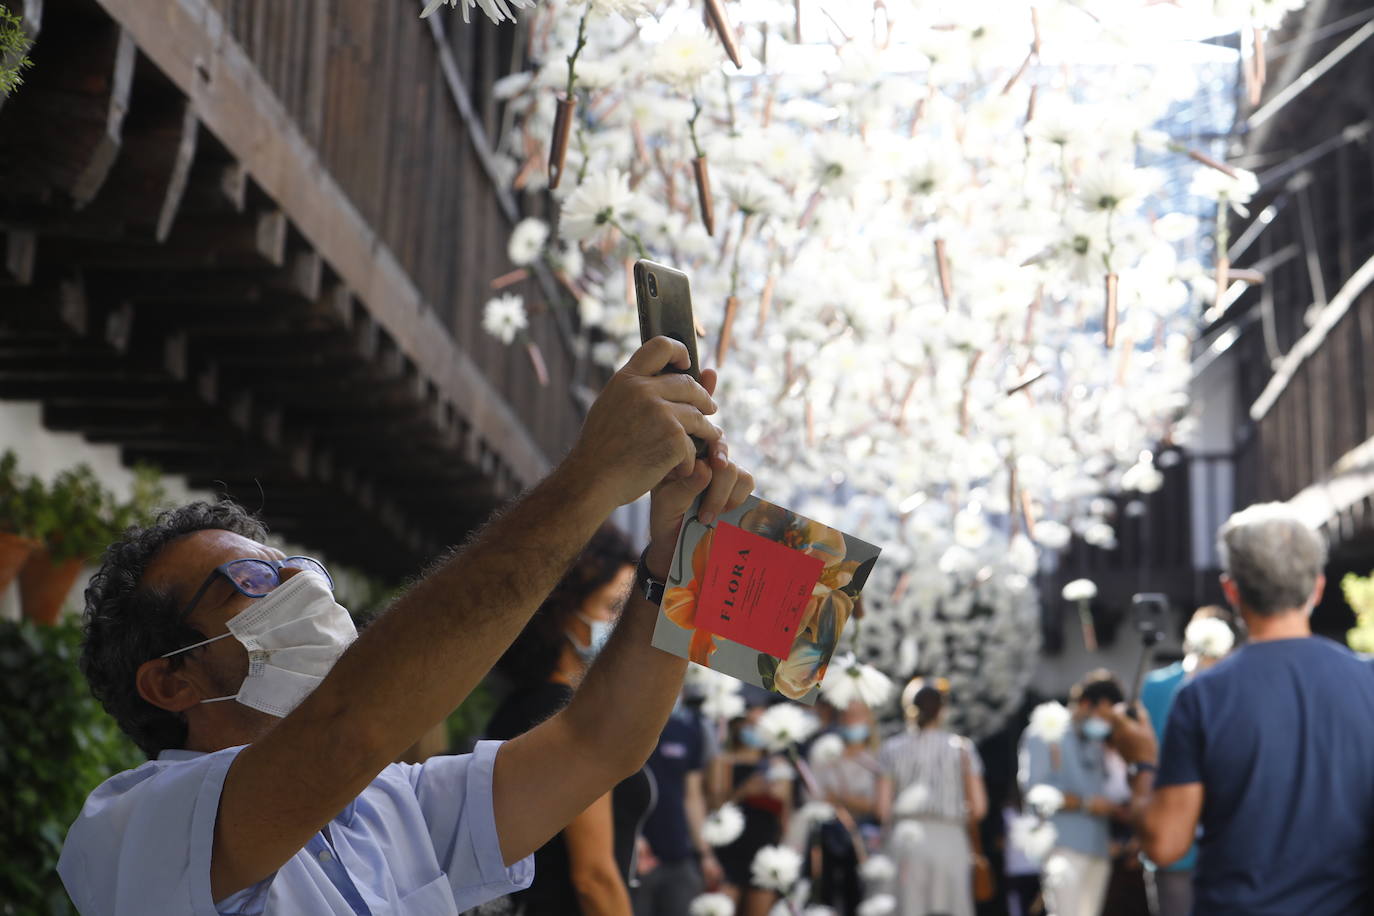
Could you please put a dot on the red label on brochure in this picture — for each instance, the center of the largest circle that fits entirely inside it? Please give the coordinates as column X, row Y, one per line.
column 755, row 590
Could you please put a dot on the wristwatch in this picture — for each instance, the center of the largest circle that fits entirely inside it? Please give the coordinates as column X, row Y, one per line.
column 651, row 588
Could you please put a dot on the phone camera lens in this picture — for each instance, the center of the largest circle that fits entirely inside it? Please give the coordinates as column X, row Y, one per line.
column 653, row 286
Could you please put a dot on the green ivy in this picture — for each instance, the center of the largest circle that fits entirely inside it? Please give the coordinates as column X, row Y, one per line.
column 56, row 745
column 14, row 51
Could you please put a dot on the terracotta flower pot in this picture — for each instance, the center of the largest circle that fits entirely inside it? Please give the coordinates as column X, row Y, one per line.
column 14, row 551
column 44, row 584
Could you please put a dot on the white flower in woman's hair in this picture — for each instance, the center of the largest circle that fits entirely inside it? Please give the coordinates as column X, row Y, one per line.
column 816, row 812
column 496, row 10
column 1033, row 836
column 1045, row 800
column 826, row 749
column 783, row 725
column 714, row 904
column 878, row 905
column 913, row 800
column 1058, row 871
column 849, row 680
column 1080, row 590
column 504, row 317
column 878, row 869
column 685, row 57
column 527, row 240
column 776, row 868
column 600, row 200
column 723, row 825
column 1049, row 721
column 1209, row 637
column 1114, row 185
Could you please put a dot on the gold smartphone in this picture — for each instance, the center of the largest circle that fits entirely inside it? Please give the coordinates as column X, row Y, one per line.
column 664, row 298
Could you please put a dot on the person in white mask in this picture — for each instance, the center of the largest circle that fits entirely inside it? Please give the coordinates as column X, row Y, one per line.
column 272, row 727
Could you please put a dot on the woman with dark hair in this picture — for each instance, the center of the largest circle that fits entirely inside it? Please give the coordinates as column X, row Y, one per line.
column 930, row 791
column 586, row 868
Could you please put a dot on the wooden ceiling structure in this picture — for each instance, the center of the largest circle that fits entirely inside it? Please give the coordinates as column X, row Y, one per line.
column 249, row 241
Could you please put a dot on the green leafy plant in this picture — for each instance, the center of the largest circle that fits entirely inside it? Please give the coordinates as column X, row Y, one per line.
column 19, row 497
column 14, row 51
column 56, row 745
column 1359, row 594
column 76, row 517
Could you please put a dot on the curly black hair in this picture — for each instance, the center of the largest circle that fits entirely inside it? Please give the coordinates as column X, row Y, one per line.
column 534, row 654
column 126, row 623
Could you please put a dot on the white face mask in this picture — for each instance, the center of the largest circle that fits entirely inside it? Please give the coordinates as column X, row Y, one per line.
column 293, row 635
column 601, row 631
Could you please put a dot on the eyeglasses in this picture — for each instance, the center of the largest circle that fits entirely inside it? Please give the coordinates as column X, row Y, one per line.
column 255, row 578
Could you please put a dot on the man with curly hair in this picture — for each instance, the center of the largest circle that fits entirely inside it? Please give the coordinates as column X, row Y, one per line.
column 272, row 725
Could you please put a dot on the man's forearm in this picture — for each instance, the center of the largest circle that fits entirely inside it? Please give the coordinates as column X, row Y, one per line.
column 422, row 658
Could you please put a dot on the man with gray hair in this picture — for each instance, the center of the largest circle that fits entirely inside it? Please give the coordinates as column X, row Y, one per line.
column 1277, row 740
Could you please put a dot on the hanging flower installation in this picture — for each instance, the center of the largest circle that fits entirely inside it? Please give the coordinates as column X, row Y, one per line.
column 951, row 313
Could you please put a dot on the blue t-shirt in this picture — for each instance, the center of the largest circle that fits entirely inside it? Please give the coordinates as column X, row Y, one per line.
column 1281, row 736
column 1157, row 696
column 678, row 753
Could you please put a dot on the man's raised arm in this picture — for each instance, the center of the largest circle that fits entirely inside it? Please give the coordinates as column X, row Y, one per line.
column 415, row 664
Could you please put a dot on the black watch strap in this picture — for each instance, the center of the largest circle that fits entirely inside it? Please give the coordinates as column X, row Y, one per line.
column 651, row 588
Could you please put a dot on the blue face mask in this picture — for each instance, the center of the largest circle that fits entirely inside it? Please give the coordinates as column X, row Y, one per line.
column 1095, row 729
column 749, row 737
column 854, row 734
column 601, row 631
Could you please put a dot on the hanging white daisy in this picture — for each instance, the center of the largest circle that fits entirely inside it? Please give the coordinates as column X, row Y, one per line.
column 630, row 9
column 723, row 825
column 826, row 749
column 1209, row 637
column 591, row 211
column 878, row 869
column 784, row 724
column 1049, row 721
column 848, row 680
column 684, row 57
column 912, row 801
column 1079, row 590
column 504, row 317
column 1032, row 836
column 527, row 241
column 776, row 868
column 878, row 905
column 713, row 904
column 496, row 10
column 815, row 813
column 1045, row 800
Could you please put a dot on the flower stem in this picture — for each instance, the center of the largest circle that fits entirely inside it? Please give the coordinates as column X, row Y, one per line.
column 638, row 242
column 577, row 50
column 692, row 126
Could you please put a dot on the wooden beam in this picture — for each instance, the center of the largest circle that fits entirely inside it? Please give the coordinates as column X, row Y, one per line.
column 189, row 41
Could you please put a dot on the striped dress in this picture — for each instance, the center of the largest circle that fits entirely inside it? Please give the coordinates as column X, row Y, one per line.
column 929, row 839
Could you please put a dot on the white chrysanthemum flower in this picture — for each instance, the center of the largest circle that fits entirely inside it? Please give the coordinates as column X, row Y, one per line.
column 776, row 868
column 913, row 800
column 591, row 311
column 1114, row 186
column 722, row 705
column 1058, row 872
column 878, row 869
column 723, row 825
column 1142, row 477
column 848, row 680
column 527, row 240
column 878, row 905
column 600, row 200
column 826, row 749
column 971, row 528
column 685, row 57
column 504, row 317
column 755, row 195
column 713, row 904
column 496, row 10
column 816, row 812
column 1034, row 837
column 908, row 833
column 1209, row 637
column 783, row 725
column 1049, row 721
column 1052, row 534
column 1045, row 800
column 1080, row 590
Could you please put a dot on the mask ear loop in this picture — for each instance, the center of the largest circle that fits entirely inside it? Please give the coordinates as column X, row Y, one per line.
column 203, row 642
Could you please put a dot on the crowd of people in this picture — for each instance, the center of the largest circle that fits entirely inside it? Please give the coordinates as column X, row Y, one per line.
column 1238, row 785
